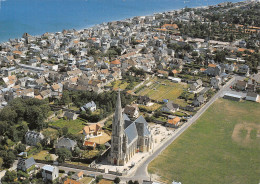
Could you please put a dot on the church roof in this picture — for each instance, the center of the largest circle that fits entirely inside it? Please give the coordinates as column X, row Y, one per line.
column 131, row 133
column 141, row 122
column 140, row 119
column 126, row 117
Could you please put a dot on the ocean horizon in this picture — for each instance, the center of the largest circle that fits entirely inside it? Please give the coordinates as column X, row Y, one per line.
column 37, row 17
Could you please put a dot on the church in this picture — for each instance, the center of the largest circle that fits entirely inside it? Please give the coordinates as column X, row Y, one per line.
column 128, row 137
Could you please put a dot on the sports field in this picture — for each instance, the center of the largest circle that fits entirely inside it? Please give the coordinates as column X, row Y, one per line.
column 223, row 146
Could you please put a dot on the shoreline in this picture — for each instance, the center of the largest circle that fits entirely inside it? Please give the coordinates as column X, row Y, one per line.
column 123, row 19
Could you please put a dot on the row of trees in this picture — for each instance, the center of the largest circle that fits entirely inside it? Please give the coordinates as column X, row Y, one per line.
column 105, row 101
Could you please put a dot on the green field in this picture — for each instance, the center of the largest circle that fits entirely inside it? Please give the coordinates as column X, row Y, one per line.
column 74, row 126
column 162, row 89
column 223, row 146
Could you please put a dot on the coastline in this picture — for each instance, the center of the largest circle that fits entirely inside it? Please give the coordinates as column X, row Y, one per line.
column 82, row 28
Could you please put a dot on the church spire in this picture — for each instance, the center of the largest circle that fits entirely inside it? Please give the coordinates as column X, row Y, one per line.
column 118, row 122
column 118, row 111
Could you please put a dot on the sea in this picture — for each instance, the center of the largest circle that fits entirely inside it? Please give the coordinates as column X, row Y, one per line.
column 39, row 16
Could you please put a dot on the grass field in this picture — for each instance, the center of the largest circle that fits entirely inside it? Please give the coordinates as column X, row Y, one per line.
column 74, row 126
column 223, row 146
column 42, row 155
column 162, row 89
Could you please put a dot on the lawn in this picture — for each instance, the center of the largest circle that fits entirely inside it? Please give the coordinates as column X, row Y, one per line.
column 163, row 89
column 74, row 126
column 42, row 155
column 223, row 146
column 119, row 84
column 85, row 180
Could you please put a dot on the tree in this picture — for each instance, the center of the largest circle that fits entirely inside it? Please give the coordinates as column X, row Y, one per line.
column 9, row 177
column 136, row 182
column 9, row 159
column 65, row 99
column 130, row 182
column 20, row 148
column 1, row 162
column 98, row 178
column 63, row 154
column 65, row 130
column 117, row 180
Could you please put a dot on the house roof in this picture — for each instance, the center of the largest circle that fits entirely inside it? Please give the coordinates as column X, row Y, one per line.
column 116, row 62
column 48, row 168
column 170, row 105
column 174, row 120
column 252, row 94
column 89, row 105
column 28, row 162
column 92, row 127
column 66, row 142
column 70, row 181
column 89, row 143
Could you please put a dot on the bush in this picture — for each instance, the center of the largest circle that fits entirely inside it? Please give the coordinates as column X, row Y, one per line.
column 61, row 171
column 98, row 178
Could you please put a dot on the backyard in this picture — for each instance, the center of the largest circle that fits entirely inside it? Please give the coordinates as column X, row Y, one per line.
column 74, row 126
column 223, row 146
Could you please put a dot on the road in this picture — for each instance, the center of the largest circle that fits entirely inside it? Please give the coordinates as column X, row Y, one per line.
column 141, row 172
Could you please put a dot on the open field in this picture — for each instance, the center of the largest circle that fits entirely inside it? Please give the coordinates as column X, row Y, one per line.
column 223, row 146
column 162, row 89
column 74, row 126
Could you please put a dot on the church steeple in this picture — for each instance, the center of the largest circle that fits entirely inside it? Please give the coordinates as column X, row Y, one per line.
column 116, row 154
column 118, row 117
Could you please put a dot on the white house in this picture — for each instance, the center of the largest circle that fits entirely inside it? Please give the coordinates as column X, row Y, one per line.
column 50, row 172
column 91, row 106
column 251, row 96
column 215, row 82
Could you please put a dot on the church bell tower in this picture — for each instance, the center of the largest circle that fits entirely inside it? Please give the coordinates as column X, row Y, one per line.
column 117, row 155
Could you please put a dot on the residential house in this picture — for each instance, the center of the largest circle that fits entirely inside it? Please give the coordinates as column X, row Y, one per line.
column 32, row 138
column 66, row 143
column 70, row 115
column 241, row 85
column 251, row 96
column 231, row 96
column 71, row 181
column 143, row 100
column 25, row 164
column 199, row 101
column 50, row 173
column 91, row 106
column 131, row 111
column 170, row 107
column 45, row 93
column 244, row 69
column 173, row 121
column 213, row 70
column 92, row 130
column 215, row 82
column 78, row 176
column 196, row 85
column 89, row 144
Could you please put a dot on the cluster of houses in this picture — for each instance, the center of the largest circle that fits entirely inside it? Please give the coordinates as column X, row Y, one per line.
column 43, row 66
column 48, row 172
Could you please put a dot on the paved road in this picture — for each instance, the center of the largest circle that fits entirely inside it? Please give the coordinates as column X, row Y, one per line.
column 141, row 171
